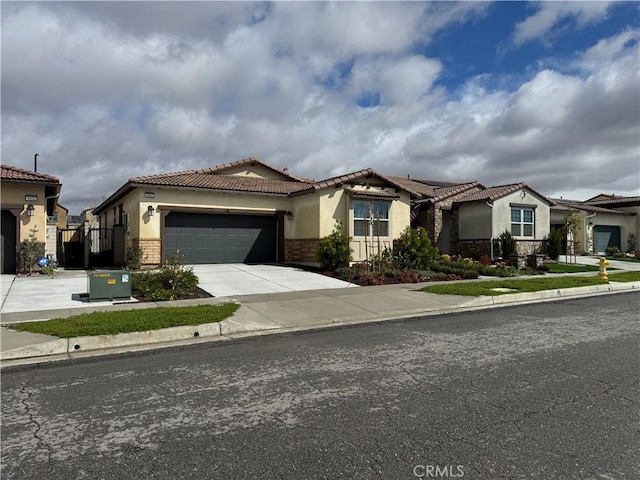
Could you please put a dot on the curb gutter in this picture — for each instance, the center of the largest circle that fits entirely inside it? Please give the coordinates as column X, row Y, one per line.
column 65, row 348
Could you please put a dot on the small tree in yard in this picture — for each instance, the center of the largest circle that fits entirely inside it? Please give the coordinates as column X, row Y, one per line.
column 553, row 244
column 413, row 249
column 508, row 245
column 334, row 251
column 30, row 250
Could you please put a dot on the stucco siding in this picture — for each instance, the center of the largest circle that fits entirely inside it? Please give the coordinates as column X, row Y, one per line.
column 502, row 214
column 12, row 197
column 627, row 224
column 306, row 217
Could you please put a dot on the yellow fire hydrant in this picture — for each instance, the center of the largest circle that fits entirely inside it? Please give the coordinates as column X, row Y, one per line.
column 604, row 263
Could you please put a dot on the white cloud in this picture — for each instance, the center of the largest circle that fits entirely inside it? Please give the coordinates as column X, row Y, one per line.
column 111, row 91
column 549, row 14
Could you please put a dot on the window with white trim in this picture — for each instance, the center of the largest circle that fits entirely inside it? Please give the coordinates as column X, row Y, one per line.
column 370, row 218
column 522, row 222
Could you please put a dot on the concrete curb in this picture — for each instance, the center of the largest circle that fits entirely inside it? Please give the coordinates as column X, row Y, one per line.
column 552, row 294
column 66, row 346
column 228, row 329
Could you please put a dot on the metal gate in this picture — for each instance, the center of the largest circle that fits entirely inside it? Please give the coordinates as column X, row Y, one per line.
column 75, row 244
column 100, row 247
column 70, row 247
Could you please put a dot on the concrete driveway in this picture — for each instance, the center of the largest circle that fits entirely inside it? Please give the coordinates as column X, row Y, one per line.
column 595, row 261
column 25, row 294
column 225, row 280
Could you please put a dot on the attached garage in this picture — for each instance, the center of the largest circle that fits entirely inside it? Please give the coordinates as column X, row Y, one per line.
column 606, row 236
column 8, row 243
column 220, row 238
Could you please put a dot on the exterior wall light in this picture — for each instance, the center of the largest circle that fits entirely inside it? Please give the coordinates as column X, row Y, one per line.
column 30, row 210
column 151, row 211
column 289, row 215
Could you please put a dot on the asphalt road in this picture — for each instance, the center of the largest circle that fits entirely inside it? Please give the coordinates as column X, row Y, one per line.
column 545, row 391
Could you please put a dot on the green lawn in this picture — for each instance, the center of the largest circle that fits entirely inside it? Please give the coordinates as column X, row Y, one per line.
column 625, row 277
column 126, row 321
column 525, row 285
column 556, row 267
column 624, row 259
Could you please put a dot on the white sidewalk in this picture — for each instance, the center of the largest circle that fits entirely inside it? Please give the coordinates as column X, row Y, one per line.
column 595, row 260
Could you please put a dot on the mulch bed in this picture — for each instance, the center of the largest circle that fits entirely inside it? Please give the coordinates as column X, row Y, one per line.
column 197, row 292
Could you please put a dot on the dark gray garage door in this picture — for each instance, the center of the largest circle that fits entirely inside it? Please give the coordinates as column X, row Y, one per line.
column 8, row 243
column 606, row 236
column 218, row 238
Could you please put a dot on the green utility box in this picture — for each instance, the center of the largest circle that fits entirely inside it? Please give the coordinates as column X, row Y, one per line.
column 109, row 285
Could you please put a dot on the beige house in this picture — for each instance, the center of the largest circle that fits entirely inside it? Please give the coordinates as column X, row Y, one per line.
column 604, row 221
column 468, row 218
column 29, row 201
column 249, row 211
column 516, row 208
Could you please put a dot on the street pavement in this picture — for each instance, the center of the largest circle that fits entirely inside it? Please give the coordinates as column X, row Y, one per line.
column 272, row 298
column 539, row 391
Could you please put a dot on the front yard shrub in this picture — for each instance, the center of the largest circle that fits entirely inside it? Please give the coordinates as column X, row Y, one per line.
column 462, row 269
column 552, row 244
column 49, row 270
column 172, row 281
column 507, row 244
column 135, row 256
column 612, row 251
column 414, row 250
column 29, row 252
column 334, row 251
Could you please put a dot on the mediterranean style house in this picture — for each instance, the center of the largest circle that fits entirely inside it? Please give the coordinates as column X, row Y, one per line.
column 603, row 221
column 249, row 211
column 29, row 203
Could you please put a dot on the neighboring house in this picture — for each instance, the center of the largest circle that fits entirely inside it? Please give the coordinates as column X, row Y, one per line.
column 249, row 211
column 28, row 200
column 482, row 216
column 61, row 215
column 604, row 221
column 87, row 216
column 432, row 206
column 467, row 218
column 74, row 221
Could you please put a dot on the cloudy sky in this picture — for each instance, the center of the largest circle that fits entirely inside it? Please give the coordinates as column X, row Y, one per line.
column 546, row 92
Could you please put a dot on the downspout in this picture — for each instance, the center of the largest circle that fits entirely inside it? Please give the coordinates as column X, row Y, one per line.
column 586, row 232
column 491, row 239
column 47, row 198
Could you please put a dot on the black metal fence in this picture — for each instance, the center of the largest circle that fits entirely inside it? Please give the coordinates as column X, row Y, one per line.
column 72, row 244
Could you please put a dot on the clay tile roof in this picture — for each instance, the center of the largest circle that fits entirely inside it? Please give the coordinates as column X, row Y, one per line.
column 21, row 175
column 566, row 205
column 346, row 178
column 193, row 179
column 443, row 193
column 369, row 194
column 416, row 188
column 252, row 161
column 494, row 193
column 615, row 200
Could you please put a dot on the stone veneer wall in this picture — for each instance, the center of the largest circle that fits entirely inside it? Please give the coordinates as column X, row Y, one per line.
column 51, row 243
column 478, row 248
column 151, row 248
column 301, row 249
column 528, row 247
